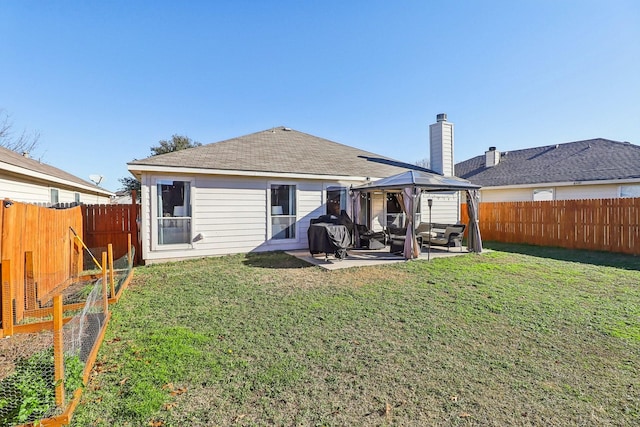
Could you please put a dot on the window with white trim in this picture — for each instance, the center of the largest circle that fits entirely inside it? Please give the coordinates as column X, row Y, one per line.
column 394, row 210
column 336, row 200
column 54, row 197
column 283, row 211
column 173, row 213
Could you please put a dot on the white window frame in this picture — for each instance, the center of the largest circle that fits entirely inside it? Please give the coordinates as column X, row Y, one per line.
column 401, row 214
column 52, row 192
column 269, row 239
column 344, row 192
column 155, row 245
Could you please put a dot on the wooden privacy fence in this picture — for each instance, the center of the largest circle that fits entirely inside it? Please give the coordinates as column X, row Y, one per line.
column 39, row 250
column 611, row 225
column 112, row 224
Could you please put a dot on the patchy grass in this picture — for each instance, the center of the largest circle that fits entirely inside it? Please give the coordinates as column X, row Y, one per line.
column 503, row 338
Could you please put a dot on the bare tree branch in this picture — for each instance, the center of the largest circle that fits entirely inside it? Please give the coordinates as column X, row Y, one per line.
column 22, row 143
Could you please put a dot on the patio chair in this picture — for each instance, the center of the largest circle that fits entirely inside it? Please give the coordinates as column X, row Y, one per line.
column 371, row 239
column 452, row 237
column 396, row 236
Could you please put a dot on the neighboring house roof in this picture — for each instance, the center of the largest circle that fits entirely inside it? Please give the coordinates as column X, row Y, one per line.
column 16, row 163
column 589, row 160
column 280, row 150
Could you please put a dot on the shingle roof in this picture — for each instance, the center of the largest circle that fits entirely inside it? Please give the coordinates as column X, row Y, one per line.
column 15, row 159
column 589, row 160
column 280, row 150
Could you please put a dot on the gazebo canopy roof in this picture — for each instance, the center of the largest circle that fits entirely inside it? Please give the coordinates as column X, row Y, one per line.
column 426, row 181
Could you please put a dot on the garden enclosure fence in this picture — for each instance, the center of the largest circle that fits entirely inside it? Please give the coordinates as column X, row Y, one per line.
column 611, row 225
column 56, row 291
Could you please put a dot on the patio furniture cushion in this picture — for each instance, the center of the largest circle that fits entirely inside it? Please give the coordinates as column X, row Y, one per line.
column 451, row 237
column 371, row 239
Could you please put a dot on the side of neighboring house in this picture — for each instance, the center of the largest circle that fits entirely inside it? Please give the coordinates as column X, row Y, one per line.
column 590, row 169
column 27, row 180
column 259, row 192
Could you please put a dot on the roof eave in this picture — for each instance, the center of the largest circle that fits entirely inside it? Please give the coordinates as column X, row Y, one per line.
column 562, row 183
column 49, row 178
column 137, row 170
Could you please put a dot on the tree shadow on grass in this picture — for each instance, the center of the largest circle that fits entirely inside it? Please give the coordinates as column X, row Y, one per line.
column 277, row 259
column 608, row 259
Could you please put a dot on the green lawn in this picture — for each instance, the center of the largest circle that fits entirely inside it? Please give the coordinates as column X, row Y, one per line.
column 519, row 336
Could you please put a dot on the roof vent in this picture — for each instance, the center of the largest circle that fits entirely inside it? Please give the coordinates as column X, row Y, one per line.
column 442, row 117
column 287, row 129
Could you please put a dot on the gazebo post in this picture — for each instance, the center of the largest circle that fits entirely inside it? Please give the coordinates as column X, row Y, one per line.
column 430, row 203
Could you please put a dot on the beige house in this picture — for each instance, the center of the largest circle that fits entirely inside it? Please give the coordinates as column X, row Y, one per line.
column 258, row 192
column 591, row 169
column 26, row 180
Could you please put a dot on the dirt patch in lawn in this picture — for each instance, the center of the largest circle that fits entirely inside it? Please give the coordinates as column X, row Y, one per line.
column 20, row 346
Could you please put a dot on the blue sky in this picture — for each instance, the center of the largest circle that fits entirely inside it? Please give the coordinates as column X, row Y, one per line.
column 103, row 81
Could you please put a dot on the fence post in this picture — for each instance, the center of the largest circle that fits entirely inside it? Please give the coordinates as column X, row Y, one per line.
column 30, row 293
column 105, row 296
column 7, row 298
column 58, row 352
column 129, row 260
column 111, row 273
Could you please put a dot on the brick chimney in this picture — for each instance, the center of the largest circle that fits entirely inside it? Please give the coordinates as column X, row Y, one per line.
column 441, row 145
column 492, row 157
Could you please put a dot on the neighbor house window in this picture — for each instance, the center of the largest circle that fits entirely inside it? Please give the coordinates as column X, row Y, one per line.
column 336, row 200
column 174, row 212
column 630, row 190
column 53, row 196
column 542, row 194
column 283, row 211
column 76, row 197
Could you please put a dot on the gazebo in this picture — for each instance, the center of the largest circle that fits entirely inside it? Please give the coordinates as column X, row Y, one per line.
column 411, row 184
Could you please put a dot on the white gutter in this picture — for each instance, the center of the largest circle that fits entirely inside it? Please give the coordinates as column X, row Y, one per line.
column 199, row 171
column 52, row 179
column 561, row 184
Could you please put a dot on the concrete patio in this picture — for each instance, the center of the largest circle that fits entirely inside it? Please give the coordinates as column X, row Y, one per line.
column 367, row 257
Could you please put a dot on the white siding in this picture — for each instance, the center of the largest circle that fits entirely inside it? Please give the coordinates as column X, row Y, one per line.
column 23, row 192
column 231, row 215
column 445, row 209
column 565, row 192
column 587, row 192
column 28, row 192
column 506, row 195
column 311, row 199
